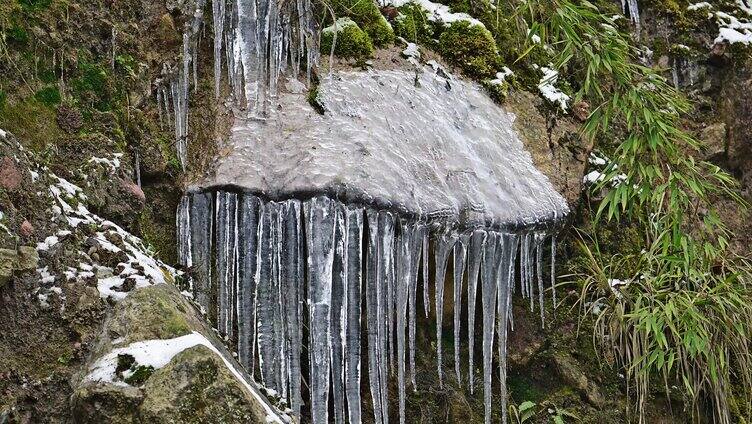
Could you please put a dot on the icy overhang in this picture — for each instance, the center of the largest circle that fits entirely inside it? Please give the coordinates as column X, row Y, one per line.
column 424, row 144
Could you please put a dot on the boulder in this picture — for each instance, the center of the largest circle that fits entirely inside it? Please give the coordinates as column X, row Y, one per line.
column 28, row 258
column 8, row 263
column 570, row 371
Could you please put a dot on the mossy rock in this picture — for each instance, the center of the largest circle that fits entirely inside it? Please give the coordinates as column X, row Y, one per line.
column 156, row 312
column 367, row 15
column 380, row 31
column 412, row 24
column 472, row 48
column 197, row 387
column 352, row 42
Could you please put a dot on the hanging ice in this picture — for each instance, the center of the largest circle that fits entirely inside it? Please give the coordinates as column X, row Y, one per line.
column 459, row 268
column 444, row 244
column 320, row 223
column 474, row 258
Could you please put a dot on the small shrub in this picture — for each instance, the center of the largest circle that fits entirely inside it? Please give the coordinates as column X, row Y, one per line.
column 17, row 35
column 472, row 48
column 48, row 96
column 352, row 42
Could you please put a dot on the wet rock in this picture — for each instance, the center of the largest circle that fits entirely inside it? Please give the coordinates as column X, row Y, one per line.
column 196, row 383
column 570, row 371
column 556, row 148
column 8, row 263
column 10, row 177
column 28, row 258
column 195, row 386
column 26, row 229
column 134, row 190
column 713, row 138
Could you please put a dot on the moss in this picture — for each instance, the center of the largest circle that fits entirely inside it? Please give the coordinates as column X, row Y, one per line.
column 313, row 100
column 48, row 96
column 412, row 24
column 34, row 5
column 380, row 31
column 93, row 86
column 31, row 121
column 139, row 375
column 367, row 15
column 17, row 35
column 352, row 42
column 472, row 48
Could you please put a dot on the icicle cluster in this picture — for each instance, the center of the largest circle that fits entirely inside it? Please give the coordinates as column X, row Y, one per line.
column 273, row 275
column 262, row 40
column 631, row 7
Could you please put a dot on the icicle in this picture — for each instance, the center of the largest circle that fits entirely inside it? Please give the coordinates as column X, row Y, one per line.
column 320, row 224
column 268, row 306
column 386, row 272
column 386, row 221
column 539, row 273
column 218, row 13
column 292, row 280
column 503, row 303
column 338, row 313
column 373, row 314
column 426, row 296
column 444, row 246
column 401, row 287
column 201, row 247
column 474, row 259
column 183, row 224
column 553, row 268
column 459, row 268
column 248, row 246
column 226, row 254
column 354, row 219
column 417, row 247
column 489, row 283
column 634, row 12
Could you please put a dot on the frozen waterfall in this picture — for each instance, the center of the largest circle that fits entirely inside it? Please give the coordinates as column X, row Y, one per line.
column 318, row 270
column 308, row 245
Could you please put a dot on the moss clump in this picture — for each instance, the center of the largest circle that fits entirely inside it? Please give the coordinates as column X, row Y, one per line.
column 412, row 24
column 367, row 15
column 472, row 48
column 352, row 42
column 380, row 31
column 138, row 375
column 48, row 96
column 93, row 86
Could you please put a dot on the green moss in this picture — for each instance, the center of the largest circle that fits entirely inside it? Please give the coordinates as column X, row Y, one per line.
column 93, row 85
column 352, row 42
column 48, row 96
column 17, row 35
column 31, row 121
column 313, row 100
column 139, row 375
column 472, row 48
column 34, row 5
column 412, row 24
column 367, row 15
column 380, row 31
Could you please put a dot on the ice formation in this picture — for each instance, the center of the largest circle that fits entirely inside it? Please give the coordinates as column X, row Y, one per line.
column 261, row 40
column 307, row 246
column 632, row 8
column 319, row 270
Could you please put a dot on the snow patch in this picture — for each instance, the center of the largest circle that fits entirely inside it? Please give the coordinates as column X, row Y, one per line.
column 549, row 91
column 440, row 13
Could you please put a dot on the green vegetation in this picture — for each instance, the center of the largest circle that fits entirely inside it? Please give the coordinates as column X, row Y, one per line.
column 351, row 41
column 48, row 96
column 472, row 48
column 683, row 314
column 412, row 24
column 367, row 15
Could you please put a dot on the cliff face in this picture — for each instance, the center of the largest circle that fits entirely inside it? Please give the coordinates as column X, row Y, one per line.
column 77, row 94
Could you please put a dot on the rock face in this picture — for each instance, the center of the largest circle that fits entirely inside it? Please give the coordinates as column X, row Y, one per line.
column 554, row 143
column 195, row 386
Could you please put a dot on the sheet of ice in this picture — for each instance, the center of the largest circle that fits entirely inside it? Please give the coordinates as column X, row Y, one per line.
column 428, row 146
